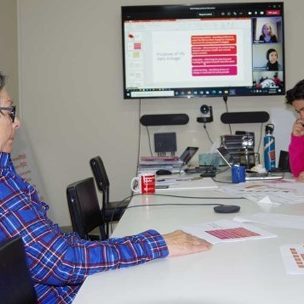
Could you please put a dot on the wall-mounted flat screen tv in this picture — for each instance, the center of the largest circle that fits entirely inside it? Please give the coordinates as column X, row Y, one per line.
column 232, row 49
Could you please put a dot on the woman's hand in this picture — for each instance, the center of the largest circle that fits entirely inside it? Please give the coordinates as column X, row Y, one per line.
column 298, row 128
column 301, row 177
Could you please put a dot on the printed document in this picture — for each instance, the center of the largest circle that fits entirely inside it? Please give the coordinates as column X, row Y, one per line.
column 223, row 231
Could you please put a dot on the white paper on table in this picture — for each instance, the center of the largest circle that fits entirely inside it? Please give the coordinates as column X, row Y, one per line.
column 223, row 231
column 171, row 180
column 293, row 258
column 267, row 201
column 277, row 192
column 274, row 220
column 276, row 199
column 186, row 184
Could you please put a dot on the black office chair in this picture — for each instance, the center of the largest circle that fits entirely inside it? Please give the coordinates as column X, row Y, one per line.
column 16, row 285
column 112, row 211
column 84, row 208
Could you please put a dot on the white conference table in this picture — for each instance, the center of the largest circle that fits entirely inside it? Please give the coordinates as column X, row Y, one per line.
column 246, row 272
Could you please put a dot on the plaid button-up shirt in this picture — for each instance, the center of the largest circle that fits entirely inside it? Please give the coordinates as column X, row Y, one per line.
column 60, row 262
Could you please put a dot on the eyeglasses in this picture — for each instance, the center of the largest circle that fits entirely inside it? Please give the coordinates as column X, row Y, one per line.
column 11, row 111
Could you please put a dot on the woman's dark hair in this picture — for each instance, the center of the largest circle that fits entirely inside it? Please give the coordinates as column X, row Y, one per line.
column 2, row 81
column 270, row 51
column 296, row 93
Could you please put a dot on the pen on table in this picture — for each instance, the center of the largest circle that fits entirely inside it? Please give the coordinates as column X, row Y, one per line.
column 189, row 179
column 162, row 187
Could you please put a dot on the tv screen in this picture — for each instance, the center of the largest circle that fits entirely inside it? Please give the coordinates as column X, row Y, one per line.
column 203, row 50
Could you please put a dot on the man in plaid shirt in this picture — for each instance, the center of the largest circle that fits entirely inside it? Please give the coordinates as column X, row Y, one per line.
column 59, row 262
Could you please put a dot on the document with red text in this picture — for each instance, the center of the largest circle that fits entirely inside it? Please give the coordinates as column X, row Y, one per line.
column 223, row 231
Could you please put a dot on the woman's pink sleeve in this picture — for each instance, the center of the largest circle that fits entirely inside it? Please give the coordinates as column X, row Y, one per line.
column 296, row 154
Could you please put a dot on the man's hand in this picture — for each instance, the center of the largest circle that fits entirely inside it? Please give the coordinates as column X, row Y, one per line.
column 181, row 243
column 298, row 128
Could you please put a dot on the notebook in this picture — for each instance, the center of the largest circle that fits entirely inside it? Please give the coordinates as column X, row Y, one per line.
column 250, row 176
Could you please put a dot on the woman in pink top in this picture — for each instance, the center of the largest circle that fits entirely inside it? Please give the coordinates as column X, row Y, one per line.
column 295, row 97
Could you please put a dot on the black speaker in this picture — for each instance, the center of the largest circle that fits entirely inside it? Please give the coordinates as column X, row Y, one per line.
column 244, row 117
column 164, row 119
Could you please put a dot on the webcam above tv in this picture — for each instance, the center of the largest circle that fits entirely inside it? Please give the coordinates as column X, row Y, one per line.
column 228, row 49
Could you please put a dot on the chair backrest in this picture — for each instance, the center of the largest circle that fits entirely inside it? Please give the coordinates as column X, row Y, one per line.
column 16, row 285
column 101, row 177
column 84, row 207
column 284, row 161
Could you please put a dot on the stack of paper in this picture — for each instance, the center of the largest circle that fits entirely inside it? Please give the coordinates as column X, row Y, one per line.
column 152, row 164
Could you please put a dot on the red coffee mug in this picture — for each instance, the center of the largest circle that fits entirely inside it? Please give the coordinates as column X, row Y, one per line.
column 144, row 183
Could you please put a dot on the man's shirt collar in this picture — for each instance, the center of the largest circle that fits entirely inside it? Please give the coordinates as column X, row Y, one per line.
column 4, row 160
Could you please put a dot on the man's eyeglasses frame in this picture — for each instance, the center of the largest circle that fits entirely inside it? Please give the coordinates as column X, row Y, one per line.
column 11, row 111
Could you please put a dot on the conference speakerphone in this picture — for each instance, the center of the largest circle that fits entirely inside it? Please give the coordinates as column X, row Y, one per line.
column 227, row 209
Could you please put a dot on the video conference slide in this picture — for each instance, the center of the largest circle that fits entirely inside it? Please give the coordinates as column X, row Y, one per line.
column 217, row 52
column 197, row 56
column 214, row 55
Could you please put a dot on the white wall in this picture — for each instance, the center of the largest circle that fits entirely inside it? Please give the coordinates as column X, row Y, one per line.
column 71, row 94
column 8, row 45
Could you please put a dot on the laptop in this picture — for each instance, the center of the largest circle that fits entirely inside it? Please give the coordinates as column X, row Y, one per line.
column 188, row 154
column 250, row 176
column 184, row 159
column 165, row 165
